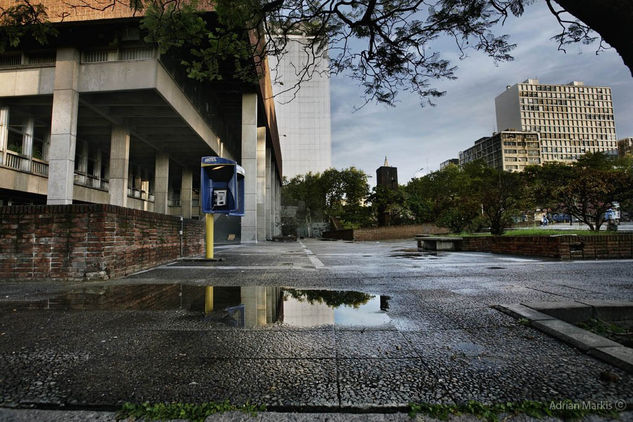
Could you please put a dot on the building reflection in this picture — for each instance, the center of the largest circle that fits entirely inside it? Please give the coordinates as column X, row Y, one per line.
column 246, row 307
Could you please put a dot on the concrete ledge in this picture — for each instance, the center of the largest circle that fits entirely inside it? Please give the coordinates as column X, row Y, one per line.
column 582, row 339
column 594, row 345
column 567, row 311
column 619, row 356
column 519, row 311
column 610, row 310
column 438, row 243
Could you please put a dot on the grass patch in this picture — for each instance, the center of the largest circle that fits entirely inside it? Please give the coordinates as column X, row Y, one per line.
column 565, row 409
column 193, row 412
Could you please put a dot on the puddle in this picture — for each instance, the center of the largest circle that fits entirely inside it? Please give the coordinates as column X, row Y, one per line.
column 247, row 307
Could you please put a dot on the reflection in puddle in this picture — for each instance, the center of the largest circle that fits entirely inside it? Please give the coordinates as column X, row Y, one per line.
column 248, row 307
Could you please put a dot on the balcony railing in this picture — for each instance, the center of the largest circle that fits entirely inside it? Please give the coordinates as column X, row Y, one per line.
column 91, row 181
column 23, row 163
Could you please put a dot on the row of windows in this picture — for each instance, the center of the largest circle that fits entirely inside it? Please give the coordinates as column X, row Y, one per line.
column 564, row 88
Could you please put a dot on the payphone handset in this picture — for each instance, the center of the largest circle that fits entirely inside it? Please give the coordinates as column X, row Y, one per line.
column 221, row 186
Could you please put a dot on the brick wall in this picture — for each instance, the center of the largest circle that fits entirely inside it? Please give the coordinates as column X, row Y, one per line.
column 90, row 241
column 562, row 247
column 80, row 10
column 384, row 233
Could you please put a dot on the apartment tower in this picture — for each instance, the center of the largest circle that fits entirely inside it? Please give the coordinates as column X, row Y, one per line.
column 572, row 119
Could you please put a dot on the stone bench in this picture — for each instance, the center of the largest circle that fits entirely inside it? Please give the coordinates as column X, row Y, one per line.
column 438, row 243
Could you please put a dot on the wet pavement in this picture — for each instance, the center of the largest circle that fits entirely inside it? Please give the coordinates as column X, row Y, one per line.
column 312, row 325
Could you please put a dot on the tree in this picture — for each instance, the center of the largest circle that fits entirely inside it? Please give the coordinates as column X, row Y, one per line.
column 333, row 193
column 500, row 193
column 585, row 190
column 386, row 45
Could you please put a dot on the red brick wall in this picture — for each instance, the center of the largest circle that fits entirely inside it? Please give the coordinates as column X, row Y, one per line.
column 384, row 233
column 562, row 247
column 84, row 241
column 80, row 10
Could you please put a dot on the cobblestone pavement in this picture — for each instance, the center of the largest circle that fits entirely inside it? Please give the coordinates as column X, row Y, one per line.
column 439, row 342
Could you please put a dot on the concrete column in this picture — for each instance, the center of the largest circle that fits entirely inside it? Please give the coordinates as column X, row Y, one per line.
column 186, row 193
column 261, row 183
column 61, row 161
column 96, row 170
column 249, row 163
column 119, row 165
column 4, row 133
column 46, row 147
column 277, row 204
column 161, row 183
column 269, row 202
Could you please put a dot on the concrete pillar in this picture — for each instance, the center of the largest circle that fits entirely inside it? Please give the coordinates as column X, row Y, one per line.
column 261, row 183
column 254, row 300
column 119, row 165
column 186, row 193
column 96, row 169
column 46, row 147
column 269, row 202
column 277, row 204
column 61, row 161
column 161, row 183
column 249, row 163
column 4, row 133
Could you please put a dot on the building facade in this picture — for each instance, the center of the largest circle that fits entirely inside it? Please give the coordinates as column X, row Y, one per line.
column 625, row 147
column 572, row 119
column 303, row 115
column 507, row 150
column 98, row 115
column 449, row 162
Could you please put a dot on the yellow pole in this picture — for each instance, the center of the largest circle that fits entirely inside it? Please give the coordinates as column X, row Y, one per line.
column 208, row 299
column 208, row 218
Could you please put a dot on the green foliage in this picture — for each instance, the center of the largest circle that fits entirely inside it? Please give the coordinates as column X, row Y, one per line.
column 210, row 50
column 585, row 190
column 332, row 298
column 194, row 412
column 24, row 20
column 333, row 193
column 389, row 206
column 565, row 410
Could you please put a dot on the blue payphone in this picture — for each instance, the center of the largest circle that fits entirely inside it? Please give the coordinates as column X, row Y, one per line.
column 221, row 192
column 221, row 186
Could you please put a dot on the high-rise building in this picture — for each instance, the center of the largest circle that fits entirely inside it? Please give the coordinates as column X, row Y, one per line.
column 507, row 150
column 572, row 119
column 303, row 116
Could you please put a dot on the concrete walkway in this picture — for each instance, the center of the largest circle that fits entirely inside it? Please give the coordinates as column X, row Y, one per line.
column 441, row 342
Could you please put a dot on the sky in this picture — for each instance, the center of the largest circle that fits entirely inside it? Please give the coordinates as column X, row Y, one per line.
column 416, row 140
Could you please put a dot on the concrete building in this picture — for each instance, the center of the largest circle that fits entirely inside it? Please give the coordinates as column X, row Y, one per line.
column 507, row 150
column 303, row 116
column 572, row 119
column 625, row 147
column 449, row 162
column 99, row 116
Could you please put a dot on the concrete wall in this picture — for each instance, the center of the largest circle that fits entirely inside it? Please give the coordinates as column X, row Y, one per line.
column 508, row 109
column 90, row 241
column 303, row 117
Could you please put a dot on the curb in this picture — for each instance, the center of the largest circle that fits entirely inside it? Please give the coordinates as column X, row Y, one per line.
column 594, row 345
